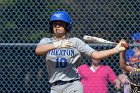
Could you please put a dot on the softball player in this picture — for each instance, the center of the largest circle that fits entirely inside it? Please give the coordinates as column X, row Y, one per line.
column 130, row 63
column 131, row 56
column 63, row 54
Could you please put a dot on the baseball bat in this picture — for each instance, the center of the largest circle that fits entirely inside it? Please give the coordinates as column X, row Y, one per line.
column 100, row 40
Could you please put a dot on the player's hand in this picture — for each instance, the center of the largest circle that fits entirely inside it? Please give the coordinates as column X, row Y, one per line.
column 121, row 46
column 62, row 44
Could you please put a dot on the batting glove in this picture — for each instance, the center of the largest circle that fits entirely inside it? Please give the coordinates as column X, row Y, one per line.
column 62, row 44
column 121, row 46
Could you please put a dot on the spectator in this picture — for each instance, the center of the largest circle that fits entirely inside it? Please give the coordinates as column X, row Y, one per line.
column 95, row 77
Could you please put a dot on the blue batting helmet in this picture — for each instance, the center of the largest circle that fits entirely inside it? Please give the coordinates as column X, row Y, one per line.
column 61, row 16
column 135, row 36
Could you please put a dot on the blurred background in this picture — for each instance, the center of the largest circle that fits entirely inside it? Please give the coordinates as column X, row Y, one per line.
column 23, row 23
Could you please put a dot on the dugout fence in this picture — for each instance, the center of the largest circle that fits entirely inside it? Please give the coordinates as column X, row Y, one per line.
column 23, row 23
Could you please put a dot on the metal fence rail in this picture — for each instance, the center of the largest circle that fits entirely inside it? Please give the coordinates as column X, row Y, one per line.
column 35, row 44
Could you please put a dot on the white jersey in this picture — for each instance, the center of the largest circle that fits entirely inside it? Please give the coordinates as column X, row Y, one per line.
column 62, row 63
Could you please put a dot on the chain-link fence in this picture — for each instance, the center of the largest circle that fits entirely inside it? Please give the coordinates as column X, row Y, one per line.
column 23, row 23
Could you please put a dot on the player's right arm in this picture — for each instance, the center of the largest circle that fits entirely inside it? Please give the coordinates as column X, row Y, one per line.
column 123, row 63
column 43, row 49
column 46, row 45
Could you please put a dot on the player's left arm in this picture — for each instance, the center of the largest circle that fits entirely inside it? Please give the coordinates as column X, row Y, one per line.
column 98, row 55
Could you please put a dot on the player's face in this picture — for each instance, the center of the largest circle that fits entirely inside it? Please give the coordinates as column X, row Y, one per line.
column 59, row 27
